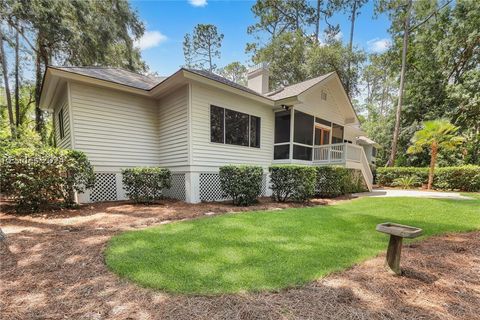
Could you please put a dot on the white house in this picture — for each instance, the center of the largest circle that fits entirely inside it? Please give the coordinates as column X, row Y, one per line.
column 194, row 121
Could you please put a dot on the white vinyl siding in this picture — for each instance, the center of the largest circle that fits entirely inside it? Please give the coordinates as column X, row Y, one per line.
column 64, row 142
column 206, row 153
column 325, row 109
column 173, row 128
column 113, row 128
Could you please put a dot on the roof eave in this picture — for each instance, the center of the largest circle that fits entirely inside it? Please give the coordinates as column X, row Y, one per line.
column 202, row 79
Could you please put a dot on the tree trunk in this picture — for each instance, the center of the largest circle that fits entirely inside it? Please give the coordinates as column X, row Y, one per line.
column 317, row 22
column 350, row 46
column 41, row 59
column 396, row 132
column 433, row 160
column 3, row 57
column 210, row 58
column 17, row 81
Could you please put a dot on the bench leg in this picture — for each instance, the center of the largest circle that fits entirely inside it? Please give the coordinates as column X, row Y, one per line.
column 393, row 254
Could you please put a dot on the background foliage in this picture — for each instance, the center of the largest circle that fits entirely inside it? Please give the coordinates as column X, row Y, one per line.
column 464, row 178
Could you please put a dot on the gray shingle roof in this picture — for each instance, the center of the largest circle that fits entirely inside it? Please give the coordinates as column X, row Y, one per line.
column 216, row 77
column 296, row 89
column 116, row 75
column 144, row 82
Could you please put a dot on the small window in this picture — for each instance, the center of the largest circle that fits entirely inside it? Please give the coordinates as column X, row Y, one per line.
column 60, row 124
column 324, row 95
column 254, row 132
column 217, row 124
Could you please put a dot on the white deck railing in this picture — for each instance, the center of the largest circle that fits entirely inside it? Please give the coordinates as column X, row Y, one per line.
column 344, row 153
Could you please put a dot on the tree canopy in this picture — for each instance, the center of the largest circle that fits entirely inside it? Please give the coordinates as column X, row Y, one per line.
column 65, row 32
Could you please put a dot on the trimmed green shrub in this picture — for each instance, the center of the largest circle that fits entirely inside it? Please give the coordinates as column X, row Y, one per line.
column 463, row 178
column 292, row 182
column 145, row 185
column 36, row 178
column 333, row 181
column 241, row 183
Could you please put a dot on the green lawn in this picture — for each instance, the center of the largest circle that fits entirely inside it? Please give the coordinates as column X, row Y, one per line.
column 277, row 249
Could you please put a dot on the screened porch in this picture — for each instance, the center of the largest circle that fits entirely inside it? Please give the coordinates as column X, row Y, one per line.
column 306, row 139
column 303, row 137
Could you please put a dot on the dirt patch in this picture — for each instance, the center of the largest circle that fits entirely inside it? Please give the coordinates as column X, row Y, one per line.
column 52, row 267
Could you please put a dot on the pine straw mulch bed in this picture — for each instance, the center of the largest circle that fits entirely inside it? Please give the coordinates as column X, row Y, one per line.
column 52, row 267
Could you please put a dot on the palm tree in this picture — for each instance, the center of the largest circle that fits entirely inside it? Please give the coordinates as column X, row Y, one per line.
column 436, row 135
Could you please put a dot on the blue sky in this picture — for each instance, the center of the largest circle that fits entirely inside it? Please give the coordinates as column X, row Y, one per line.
column 168, row 21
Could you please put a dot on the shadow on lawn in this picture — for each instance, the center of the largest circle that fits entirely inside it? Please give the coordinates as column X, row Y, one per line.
column 261, row 251
column 60, row 272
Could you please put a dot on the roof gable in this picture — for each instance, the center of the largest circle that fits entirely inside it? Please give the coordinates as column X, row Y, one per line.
column 335, row 87
column 298, row 88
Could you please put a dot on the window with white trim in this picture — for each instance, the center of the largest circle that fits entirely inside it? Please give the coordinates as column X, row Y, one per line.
column 233, row 127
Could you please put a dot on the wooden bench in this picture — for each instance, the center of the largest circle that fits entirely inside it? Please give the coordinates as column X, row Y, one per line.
column 397, row 232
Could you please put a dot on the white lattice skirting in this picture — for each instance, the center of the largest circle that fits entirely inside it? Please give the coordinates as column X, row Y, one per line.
column 109, row 187
column 105, row 188
column 210, row 189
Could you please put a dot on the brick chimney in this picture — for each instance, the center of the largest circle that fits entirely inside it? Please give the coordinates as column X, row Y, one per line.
column 258, row 78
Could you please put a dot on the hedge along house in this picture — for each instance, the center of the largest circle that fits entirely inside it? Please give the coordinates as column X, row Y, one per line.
column 194, row 121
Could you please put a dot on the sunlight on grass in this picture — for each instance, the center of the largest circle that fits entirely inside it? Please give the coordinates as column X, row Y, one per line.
column 271, row 250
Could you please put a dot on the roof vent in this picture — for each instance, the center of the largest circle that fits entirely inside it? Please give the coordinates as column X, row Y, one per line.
column 258, row 78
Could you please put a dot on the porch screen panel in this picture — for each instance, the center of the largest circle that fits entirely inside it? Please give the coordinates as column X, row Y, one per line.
column 302, row 153
column 281, row 152
column 337, row 133
column 282, row 127
column 303, row 128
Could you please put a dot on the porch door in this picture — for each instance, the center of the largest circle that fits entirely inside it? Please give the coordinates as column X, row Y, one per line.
column 322, row 135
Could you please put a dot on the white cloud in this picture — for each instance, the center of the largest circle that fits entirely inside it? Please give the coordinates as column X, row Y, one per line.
column 150, row 39
column 198, row 3
column 338, row 36
column 378, row 45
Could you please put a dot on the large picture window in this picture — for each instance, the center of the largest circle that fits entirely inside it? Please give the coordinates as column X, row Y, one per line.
column 254, row 132
column 217, row 123
column 232, row 127
column 236, row 128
